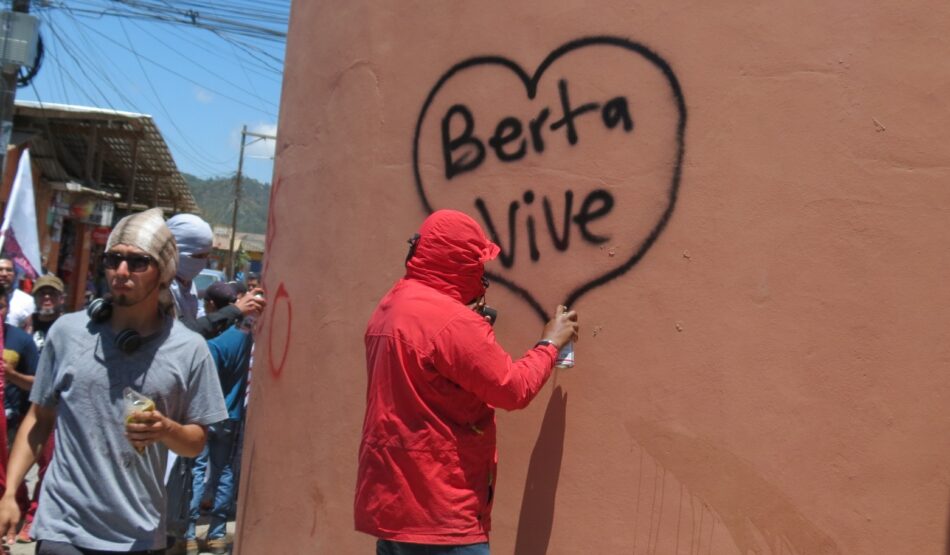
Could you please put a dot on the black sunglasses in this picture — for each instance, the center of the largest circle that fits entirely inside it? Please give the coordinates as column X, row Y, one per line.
column 136, row 262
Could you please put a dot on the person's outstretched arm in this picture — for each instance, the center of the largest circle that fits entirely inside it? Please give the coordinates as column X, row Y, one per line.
column 466, row 353
column 34, row 431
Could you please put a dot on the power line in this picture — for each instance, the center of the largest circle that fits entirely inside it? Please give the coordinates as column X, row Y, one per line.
column 180, row 75
column 250, row 50
column 203, row 67
column 250, row 81
column 246, row 39
column 210, row 47
column 81, row 68
column 158, row 97
column 254, row 31
column 265, row 25
column 77, row 52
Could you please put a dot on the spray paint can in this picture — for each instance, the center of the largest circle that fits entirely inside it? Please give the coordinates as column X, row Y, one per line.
column 565, row 357
column 247, row 324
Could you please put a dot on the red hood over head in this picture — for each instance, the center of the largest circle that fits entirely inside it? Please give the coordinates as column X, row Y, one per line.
column 450, row 255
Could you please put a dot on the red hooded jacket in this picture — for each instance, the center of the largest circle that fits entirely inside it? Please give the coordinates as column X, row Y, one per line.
column 427, row 458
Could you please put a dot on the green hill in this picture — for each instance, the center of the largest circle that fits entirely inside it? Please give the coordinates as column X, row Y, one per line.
column 215, row 197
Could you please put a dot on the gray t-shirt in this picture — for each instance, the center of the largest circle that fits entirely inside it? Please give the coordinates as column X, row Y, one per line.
column 99, row 492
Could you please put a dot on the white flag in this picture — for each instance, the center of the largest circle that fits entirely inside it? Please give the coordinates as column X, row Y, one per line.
column 18, row 234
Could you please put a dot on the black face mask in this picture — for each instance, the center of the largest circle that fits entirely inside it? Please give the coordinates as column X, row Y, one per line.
column 413, row 241
column 488, row 312
column 485, row 310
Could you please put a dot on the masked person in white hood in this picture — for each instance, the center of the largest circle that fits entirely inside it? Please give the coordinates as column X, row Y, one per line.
column 194, row 238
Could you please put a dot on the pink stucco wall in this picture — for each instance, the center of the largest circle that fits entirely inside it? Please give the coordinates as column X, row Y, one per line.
column 760, row 266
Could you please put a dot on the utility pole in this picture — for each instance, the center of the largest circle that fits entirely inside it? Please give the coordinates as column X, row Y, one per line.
column 237, row 191
column 18, row 48
column 237, row 201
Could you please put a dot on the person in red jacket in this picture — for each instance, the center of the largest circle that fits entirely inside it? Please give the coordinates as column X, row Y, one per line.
column 435, row 376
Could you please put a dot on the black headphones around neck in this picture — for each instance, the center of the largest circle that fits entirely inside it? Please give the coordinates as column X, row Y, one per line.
column 127, row 340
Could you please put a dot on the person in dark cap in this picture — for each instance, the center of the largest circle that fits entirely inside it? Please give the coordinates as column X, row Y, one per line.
column 123, row 383
column 436, row 374
column 219, row 295
column 214, row 472
column 49, row 300
column 240, row 288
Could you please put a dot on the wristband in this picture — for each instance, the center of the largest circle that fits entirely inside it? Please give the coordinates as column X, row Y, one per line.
column 546, row 342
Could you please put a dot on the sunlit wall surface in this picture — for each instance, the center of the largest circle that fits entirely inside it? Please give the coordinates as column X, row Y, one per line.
column 746, row 202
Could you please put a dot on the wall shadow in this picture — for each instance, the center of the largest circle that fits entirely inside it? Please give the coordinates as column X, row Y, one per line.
column 756, row 513
column 948, row 533
column 544, row 470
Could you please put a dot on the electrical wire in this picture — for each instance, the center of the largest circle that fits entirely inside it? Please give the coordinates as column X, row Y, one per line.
column 210, row 47
column 250, row 82
column 246, row 20
column 201, row 160
column 158, row 97
column 82, row 69
column 25, row 76
column 255, row 32
column 265, row 56
column 179, row 74
column 204, row 68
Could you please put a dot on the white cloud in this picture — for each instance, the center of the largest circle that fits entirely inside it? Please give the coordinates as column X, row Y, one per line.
column 203, row 96
column 261, row 148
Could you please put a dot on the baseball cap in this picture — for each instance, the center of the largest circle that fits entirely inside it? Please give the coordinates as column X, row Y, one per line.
column 48, row 280
column 220, row 294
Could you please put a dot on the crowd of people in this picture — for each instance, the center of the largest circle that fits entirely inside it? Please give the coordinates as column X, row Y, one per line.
column 145, row 389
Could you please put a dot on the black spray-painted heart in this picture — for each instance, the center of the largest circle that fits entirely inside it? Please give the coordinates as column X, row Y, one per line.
column 574, row 173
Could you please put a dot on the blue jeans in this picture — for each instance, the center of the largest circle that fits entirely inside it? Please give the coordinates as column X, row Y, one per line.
column 236, row 466
column 386, row 547
column 178, row 492
column 215, row 460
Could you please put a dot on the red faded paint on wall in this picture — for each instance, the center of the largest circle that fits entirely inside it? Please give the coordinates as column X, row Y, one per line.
column 271, row 236
column 279, row 330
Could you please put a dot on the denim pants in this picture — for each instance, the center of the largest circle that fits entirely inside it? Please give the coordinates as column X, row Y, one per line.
column 213, row 478
column 178, row 493
column 386, row 547
column 236, row 467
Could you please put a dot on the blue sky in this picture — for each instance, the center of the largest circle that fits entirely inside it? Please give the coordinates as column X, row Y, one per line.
column 200, row 88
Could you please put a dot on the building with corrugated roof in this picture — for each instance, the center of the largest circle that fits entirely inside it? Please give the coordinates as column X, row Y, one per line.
column 91, row 166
